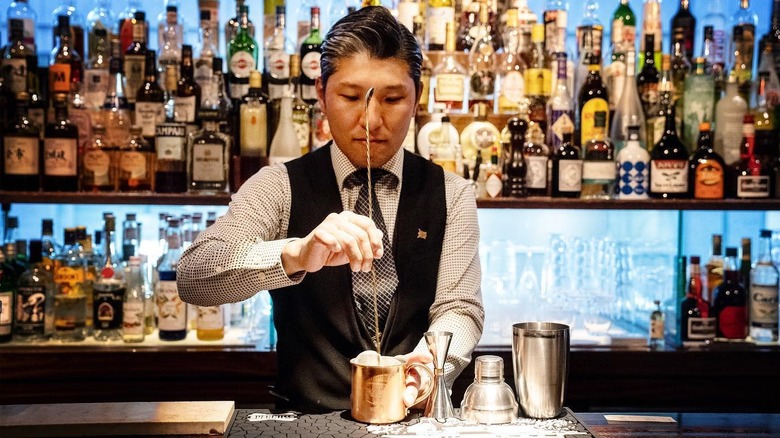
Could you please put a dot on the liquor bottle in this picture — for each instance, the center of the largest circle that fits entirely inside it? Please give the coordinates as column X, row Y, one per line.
column 444, row 147
column 681, row 67
column 100, row 18
column 169, row 21
column 560, row 115
column 109, row 291
column 767, row 74
column 684, row 22
column 538, row 80
column 655, row 118
column 729, row 114
column 7, row 299
column 494, row 180
column 707, row 171
column 598, row 161
column 515, row 165
column 469, row 27
column 628, row 111
column 537, row 158
column 746, row 20
column 745, row 264
column 171, row 147
column 511, row 83
column 70, row 302
column 302, row 18
column 170, row 36
column 136, row 163
column 98, row 169
column 426, row 70
column 277, row 51
column 714, row 265
column 623, row 41
column 714, row 63
column 593, row 98
column 669, row 163
column 438, row 14
column 126, row 19
column 698, row 103
column 233, row 24
column 18, row 60
column 188, row 92
column 592, row 26
column 431, row 133
column 555, row 23
column 135, row 58
column 766, row 125
column 21, row 10
column 648, row 78
column 211, row 323
column 763, row 292
column 150, row 101
column 21, row 150
column 254, row 129
column 65, row 62
column 311, row 49
column 96, row 74
column 566, row 168
column 171, row 310
column 633, row 168
column 243, row 52
column 715, row 19
column 450, row 77
column 302, row 114
column 68, row 9
column 208, row 155
column 207, row 50
column 116, row 115
column 482, row 64
column 134, row 303
column 479, row 137
column 697, row 321
column 131, row 237
column 50, row 247
column 60, row 151
column 729, row 301
column 651, row 26
column 656, row 337
column 749, row 176
column 34, row 313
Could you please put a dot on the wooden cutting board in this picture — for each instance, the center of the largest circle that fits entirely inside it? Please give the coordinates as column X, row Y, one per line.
column 116, row 419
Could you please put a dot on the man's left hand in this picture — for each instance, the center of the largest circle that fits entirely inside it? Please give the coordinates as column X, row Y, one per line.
column 414, row 381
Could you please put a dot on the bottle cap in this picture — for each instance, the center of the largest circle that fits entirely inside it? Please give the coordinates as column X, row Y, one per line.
column 36, row 251
column 695, row 260
column 731, row 252
column 139, row 15
column 130, row 217
column 47, row 226
column 765, row 233
column 280, row 10
column 171, row 8
column 205, row 15
column 704, row 126
column 13, row 222
column 216, row 65
column 537, row 33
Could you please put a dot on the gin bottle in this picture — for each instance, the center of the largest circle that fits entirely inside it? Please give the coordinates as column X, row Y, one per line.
column 628, row 111
column 633, row 168
column 134, row 303
column 729, row 113
column 763, row 292
column 109, row 290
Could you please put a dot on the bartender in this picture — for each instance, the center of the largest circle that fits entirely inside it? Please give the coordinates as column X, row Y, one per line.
column 302, row 231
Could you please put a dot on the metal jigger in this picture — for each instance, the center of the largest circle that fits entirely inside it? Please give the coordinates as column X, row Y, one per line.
column 439, row 405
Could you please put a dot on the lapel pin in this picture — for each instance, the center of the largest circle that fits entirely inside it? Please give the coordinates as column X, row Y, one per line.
column 422, row 234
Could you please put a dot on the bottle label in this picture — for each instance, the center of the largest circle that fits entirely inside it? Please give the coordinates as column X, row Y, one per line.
column 30, row 310
column 241, row 63
column 184, row 109
column 308, row 93
column 16, row 69
column 95, row 87
column 171, row 310
column 513, row 87
column 632, row 179
column 624, row 36
column 69, row 280
column 701, row 328
column 569, row 175
column 648, row 93
column 302, row 129
column 561, row 123
column 6, row 312
column 719, row 46
column 59, row 156
column 493, row 185
column 669, row 176
column 657, row 329
column 207, row 162
column 133, row 318
column 730, row 133
column 732, row 322
column 278, row 65
column 616, row 79
column 107, row 308
column 708, row 183
column 170, row 141
column 253, row 130
column 437, row 18
column 538, row 81
column 425, row 79
column 59, row 78
column 310, row 65
column 204, row 71
column 536, row 177
column 148, row 115
column 81, row 118
column 763, row 306
column 593, row 171
column 133, row 165
column 210, row 318
column 134, row 75
column 588, row 119
column 749, row 186
column 21, row 155
column 555, row 22
column 97, row 163
column 450, row 87
column 658, row 125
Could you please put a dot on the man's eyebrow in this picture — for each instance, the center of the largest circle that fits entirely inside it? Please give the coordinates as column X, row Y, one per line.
column 395, row 87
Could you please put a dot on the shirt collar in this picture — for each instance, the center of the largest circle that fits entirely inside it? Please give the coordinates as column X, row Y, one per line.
column 344, row 168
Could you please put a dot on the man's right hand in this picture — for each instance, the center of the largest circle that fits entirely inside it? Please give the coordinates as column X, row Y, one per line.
column 341, row 238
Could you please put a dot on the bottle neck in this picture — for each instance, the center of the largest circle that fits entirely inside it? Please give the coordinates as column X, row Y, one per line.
column 765, row 250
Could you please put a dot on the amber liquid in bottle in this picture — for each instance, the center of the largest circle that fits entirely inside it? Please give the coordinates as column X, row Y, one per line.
column 60, row 151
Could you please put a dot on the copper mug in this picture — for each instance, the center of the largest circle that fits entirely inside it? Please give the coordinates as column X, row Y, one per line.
column 378, row 388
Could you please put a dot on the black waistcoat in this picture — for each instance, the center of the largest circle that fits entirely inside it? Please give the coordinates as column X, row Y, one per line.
column 318, row 327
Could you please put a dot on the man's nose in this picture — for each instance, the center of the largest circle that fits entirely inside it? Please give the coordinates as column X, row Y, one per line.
column 372, row 117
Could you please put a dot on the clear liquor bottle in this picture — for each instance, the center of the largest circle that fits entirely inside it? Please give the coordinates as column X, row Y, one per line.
column 302, row 113
column 560, row 114
column 170, row 21
column 134, row 303
column 482, row 64
column 21, row 10
column 450, row 77
column 598, row 161
column 60, row 151
column 242, row 52
column 730, row 301
column 208, row 155
column 98, row 166
column 207, row 50
column 698, row 103
column 96, row 75
column 65, row 62
column 511, row 83
column 750, row 176
column 136, row 163
column 254, row 129
column 311, row 50
column 169, row 42
column 277, row 51
column 171, row 310
column 34, row 313
column 50, row 248
column 171, row 146
column 109, row 290
column 747, row 20
column 714, row 63
column 103, row 18
column 135, row 58
column 150, row 100
column 70, row 302
column 21, row 150
column 707, row 172
column 590, row 24
column 116, row 115
column 715, row 19
column 729, row 114
column 656, row 338
column 669, row 163
column 628, row 111
column 633, row 168
column 740, row 64
column 764, row 292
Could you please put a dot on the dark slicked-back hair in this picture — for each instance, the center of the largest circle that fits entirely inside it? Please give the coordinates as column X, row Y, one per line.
column 373, row 31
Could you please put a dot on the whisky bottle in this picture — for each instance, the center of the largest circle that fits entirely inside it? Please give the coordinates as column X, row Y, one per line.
column 538, row 78
column 188, row 92
column 669, row 163
column 150, row 100
column 60, row 151
column 311, row 50
column 482, row 64
column 449, row 77
column 70, row 302
column 707, row 171
column 698, row 103
column 171, row 310
column 135, row 58
column 566, row 168
column 18, row 61
column 438, row 14
column 729, row 301
column 98, row 166
column 136, row 163
column 211, row 323
column 34, row 320
column 242, row 52
column 254, row 129
column 208, row 155
column 598, row 161
column 65, row 62
column 21, row 150
column 109, row 290
column 116, row 115
column 593, row 98
column 134, row 303
column 729, row 115
column 763, row 293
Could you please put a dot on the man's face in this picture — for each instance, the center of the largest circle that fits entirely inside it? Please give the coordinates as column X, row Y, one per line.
column 390, row 111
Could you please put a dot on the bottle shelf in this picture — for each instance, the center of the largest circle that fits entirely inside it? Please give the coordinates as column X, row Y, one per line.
column 151, row 198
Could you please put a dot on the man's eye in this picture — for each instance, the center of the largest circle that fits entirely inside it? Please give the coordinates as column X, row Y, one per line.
column 350, row 97
column 393, row 99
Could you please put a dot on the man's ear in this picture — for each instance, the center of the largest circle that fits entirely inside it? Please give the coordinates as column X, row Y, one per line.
column 318, row 85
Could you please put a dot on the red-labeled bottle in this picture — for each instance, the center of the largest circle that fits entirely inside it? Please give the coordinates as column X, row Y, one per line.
column 729, row 303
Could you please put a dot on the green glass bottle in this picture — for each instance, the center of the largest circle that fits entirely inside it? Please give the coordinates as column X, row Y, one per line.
column 698, row 103
column 310, row 50
column 242, row 52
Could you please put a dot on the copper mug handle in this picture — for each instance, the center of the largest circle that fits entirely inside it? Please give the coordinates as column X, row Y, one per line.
column 429, row 389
